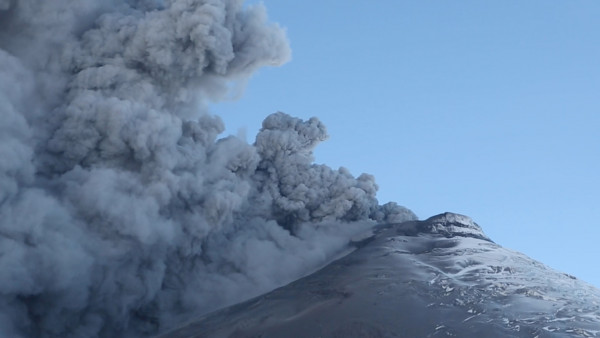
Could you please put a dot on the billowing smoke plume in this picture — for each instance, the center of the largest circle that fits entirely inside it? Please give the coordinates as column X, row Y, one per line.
column 121, row 211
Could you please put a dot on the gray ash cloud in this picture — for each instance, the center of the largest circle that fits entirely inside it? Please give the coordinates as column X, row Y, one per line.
column 122, row 210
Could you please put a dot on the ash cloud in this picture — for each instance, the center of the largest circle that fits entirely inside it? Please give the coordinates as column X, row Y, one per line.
column 122, row 212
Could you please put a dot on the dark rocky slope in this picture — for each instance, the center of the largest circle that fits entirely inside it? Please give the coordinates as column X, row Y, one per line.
column 438, row 277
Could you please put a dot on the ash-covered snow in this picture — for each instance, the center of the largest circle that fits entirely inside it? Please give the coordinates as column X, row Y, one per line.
column 451, row 225
column 417, row 279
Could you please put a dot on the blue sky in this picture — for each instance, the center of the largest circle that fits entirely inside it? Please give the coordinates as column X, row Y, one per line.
column 490, row 109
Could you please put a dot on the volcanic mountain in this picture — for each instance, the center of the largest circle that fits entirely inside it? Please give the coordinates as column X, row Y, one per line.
column 125, row 211
column 433, row 278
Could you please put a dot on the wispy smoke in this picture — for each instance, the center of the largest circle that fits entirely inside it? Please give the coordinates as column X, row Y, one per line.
column 121, row 211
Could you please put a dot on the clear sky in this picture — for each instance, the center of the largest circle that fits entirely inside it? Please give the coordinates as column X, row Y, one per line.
column 490, row 109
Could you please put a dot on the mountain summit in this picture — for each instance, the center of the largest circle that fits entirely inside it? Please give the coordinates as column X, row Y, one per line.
column 432, row 278
column 448, row 225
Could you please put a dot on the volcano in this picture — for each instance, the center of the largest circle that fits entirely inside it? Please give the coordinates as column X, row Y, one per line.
column 438, row 277
column 125, row 211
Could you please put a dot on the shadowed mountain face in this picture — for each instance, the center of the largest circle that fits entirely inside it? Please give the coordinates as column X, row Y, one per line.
column 438, row 277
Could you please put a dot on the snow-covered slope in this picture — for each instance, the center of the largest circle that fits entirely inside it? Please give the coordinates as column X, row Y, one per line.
column 438, row 277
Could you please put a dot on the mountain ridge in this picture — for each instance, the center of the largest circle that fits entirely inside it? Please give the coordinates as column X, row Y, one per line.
column 437, row 277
